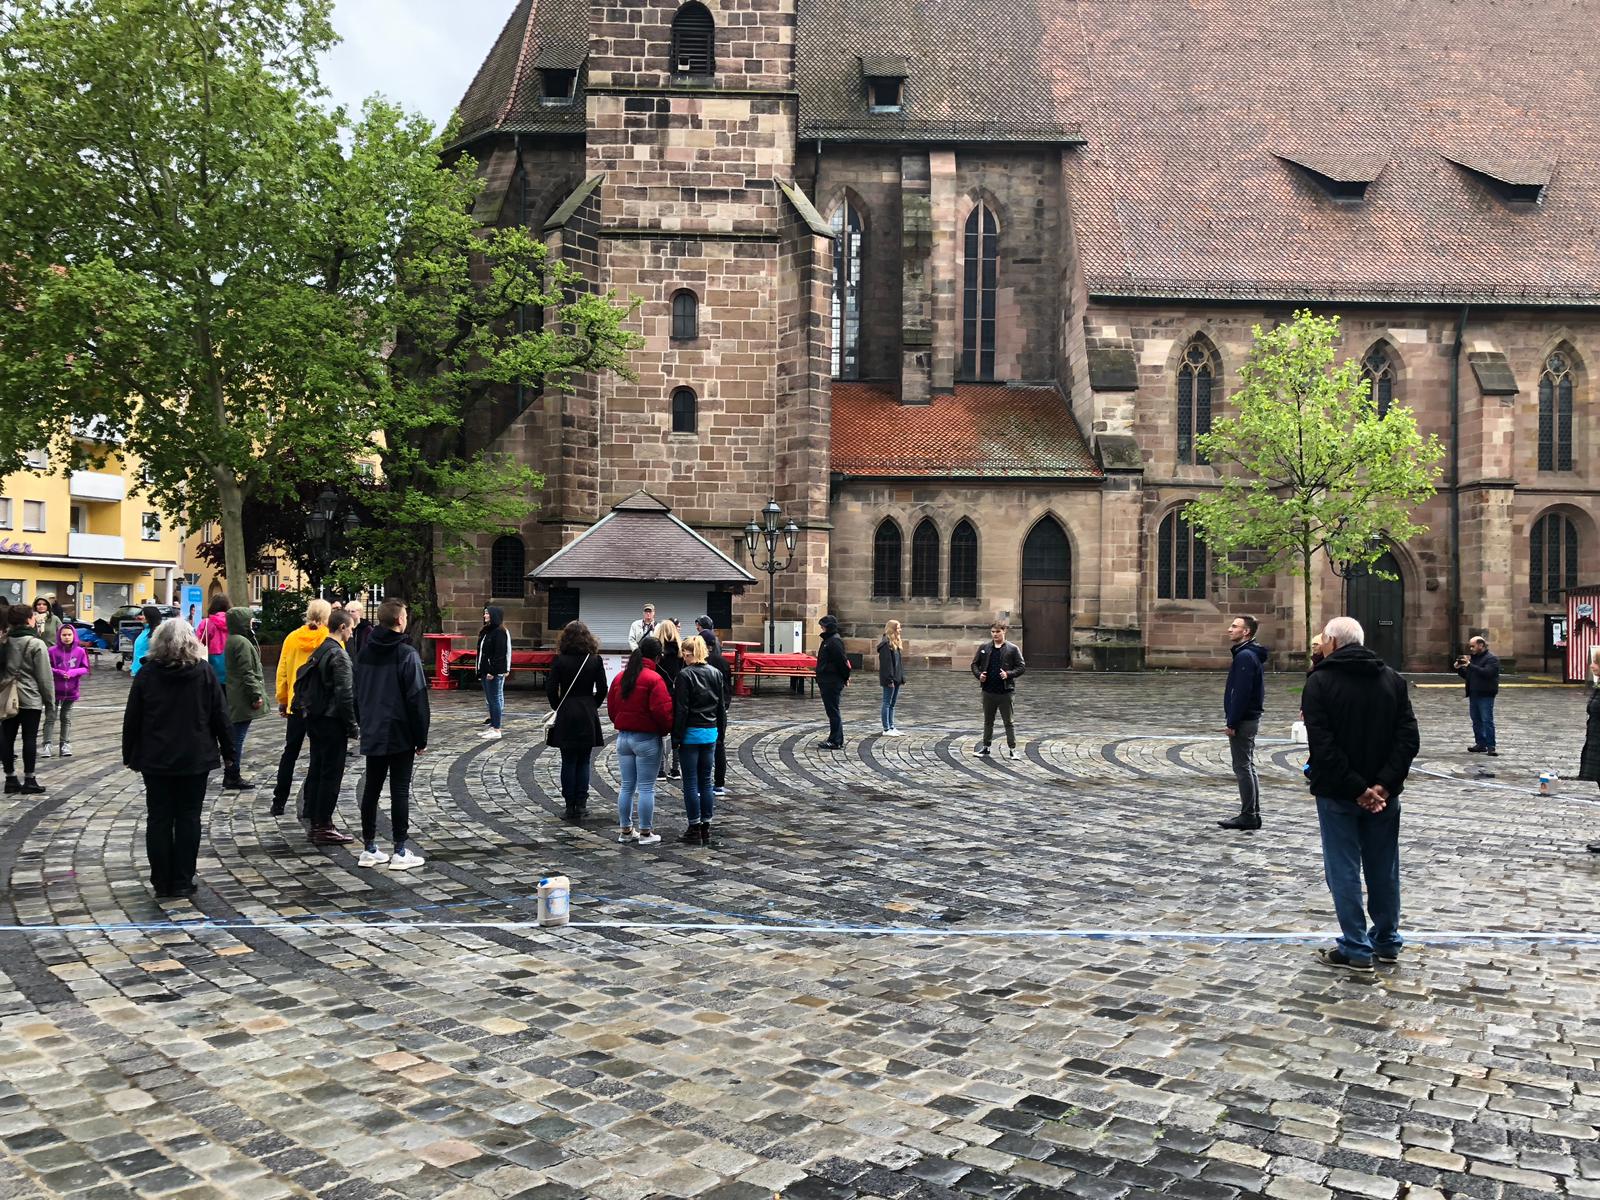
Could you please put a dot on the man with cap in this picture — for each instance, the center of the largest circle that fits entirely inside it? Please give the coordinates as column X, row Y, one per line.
column 644, row 627
column 833, row 676
column 707, row 630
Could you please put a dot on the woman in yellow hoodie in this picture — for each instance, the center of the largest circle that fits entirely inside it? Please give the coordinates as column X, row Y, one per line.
column 297, row 647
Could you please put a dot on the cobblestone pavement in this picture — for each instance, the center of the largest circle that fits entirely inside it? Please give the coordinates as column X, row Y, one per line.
column 707, row 1029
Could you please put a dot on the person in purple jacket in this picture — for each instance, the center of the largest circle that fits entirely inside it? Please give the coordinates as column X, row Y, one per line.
column 69, row 662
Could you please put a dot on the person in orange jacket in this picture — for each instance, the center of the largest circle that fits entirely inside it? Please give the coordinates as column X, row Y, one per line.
column 297, row 648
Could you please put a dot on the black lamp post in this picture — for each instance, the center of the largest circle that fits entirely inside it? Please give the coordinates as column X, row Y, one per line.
column 321, row 525
column 772, row 527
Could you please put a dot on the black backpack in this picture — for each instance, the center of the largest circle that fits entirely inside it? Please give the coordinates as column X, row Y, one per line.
column 308, row 698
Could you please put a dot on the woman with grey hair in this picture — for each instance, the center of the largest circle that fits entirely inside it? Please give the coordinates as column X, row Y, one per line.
column 175, row 732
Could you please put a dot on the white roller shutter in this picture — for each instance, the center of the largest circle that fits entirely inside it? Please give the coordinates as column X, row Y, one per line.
column 609, row 609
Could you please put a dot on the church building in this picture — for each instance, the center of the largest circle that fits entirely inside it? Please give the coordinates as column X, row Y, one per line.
column 958, row 283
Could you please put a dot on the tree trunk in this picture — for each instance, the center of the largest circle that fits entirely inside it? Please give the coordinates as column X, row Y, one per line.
column 230, row 499
column 1306, row 553
column 416, row 582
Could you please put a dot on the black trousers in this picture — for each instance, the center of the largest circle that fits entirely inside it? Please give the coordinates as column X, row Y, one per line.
column 27, row 720
column 831, row 695
column 172, row 828
column 720, row 771
column 325, row 773
column 398, row 769
column 294, row 736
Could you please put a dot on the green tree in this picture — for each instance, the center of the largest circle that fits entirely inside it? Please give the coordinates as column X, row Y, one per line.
column 1307, row 464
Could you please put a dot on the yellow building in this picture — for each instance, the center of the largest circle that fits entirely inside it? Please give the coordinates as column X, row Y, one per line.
column 83, row 539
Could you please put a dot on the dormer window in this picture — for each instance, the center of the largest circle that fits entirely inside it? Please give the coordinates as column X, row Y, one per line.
column 885, row 78
column 694, row 41
column 560, row 85
column 1342, row 177
column 1517, row 182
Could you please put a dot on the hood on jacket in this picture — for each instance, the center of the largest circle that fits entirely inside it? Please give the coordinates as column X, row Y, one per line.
column 1358, row 660
column 151, row 615
column 497, row 616
column 384, row 643
column 305, row 639
column 239, row 621
column 65, row 629
column 1252, row 647
column 829, row 624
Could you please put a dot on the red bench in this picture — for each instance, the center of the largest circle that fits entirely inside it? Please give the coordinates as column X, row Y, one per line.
column 449, row 662
column 777, row 666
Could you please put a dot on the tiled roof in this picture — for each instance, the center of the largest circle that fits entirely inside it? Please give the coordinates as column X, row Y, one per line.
column 505, row 93
column 982, row 431
column 640, row 541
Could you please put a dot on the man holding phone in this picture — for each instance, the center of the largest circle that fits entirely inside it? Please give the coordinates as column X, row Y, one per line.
column 1481, row 670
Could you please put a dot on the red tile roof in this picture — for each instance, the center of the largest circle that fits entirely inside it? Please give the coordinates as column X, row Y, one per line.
column 983, row 431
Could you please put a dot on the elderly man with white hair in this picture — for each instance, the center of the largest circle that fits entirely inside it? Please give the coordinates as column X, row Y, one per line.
column 1363, row 737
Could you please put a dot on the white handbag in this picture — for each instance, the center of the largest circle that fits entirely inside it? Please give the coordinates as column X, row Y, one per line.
column 1297, row 734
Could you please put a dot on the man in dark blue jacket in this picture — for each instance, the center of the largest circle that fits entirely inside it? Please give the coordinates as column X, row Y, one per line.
column 1242, row 704
column 1481, row 670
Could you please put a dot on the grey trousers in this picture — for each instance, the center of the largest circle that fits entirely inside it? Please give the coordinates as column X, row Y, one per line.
column 998, row 702
column 59, row 710
column 1242, row 745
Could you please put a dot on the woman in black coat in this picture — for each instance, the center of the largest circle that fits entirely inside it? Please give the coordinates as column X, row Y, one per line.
column 669, row 664
column 576, row 688
column 175, row 732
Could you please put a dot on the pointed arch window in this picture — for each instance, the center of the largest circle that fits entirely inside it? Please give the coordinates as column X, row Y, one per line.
column 1197, row 382
column 1379, row 366
column 685, row 411
column 508, row 564
column 694, row 43
column 886, row 560
column 925, row 560
column 846, row 310
column 1181, row 565
column 964, row 562
column 980, row 286
column 1555, row 413
column 685, row 316
column 1552, row 558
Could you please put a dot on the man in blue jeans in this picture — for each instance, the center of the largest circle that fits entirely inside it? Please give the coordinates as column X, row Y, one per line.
column 1481, row 670
column 1363, row 737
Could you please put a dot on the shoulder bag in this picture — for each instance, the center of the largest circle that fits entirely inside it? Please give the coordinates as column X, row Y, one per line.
column 550, row 721
column 10, row 699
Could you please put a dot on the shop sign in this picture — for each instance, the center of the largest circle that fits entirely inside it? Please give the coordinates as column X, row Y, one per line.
column 7, row 546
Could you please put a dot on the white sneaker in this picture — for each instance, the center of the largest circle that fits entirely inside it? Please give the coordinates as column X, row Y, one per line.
column 66, row 749
column 983, row 750
column 1013, row 753
column 895, row 732
column 372, row 858
column 44, row 750
column 627, row 835
column 649, row 839
column 405, row 860
column 490, row 735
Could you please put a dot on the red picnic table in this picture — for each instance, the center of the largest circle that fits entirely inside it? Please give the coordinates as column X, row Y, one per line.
column 447, row 657
column 782, row 666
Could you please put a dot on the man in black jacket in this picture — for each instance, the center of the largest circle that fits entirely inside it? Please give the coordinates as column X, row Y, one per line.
column 1243, row 701
column 329, row 709
column 707, row 630
column 1363, row 736
column 392, row 697
column 1481, row 670
column 833, row 676
column 997, row 666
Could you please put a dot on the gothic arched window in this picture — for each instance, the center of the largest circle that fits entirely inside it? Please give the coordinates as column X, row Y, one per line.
column 1197, row 380
column 508, row 564
column 694, row 43
column 846, row 307
column 886, row 560
column 1180, row 561
column 1379, row 366
column 964, row 562
column 685, row 411
column 980, row 285
column 925, row 560
column 1552, row 558
column 1555, row 413
column 685, row 316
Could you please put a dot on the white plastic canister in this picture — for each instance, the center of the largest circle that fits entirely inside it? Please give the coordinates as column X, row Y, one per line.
column 555, row 900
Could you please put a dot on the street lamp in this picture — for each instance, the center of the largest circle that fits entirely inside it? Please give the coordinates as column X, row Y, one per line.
column 772, row 527
column 321, row 526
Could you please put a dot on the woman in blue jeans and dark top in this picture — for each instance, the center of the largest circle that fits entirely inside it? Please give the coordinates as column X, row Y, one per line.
column 576, row 687
column 891, row 674
column 641, row 712
column 699, row 719
column 494, row 664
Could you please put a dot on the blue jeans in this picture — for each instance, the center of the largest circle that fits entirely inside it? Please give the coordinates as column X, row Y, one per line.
column 698, row 798
column 494, row 691
column 638, row 758
column 1482, row 710
column 240, row 729
column 1356, row 843
column 890, row 694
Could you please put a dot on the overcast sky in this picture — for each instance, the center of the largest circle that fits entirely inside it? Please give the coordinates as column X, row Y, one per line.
column 421, row 53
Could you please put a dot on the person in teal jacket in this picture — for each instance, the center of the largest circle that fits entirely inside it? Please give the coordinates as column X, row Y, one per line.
column 141, row 644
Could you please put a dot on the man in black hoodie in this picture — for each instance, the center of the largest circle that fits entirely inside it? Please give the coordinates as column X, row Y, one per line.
column 1363, row 736
column 392, row 696
column 1243, row 701
column 833, row 676
column 328, row 705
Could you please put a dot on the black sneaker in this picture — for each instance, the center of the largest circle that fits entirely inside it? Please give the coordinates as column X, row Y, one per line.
column 1594, row 847
column 830, row 745
column 31, row 787
column 690, row 836
column 13, row 785
column 1492, row 752
column 1248, row 824
column 983, row 750
column 1387, row 957
column 1338, row 958
column 1477, row 749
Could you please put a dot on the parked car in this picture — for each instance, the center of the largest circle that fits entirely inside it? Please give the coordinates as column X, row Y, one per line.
column 135, row 612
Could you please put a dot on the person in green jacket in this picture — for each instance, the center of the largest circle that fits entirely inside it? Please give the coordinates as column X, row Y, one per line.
column 46, row 623
column 246, row 690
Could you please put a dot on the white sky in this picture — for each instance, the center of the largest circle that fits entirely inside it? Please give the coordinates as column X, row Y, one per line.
column 420, row 53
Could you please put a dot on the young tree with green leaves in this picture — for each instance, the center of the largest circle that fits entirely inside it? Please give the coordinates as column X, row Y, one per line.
column 1308, row 465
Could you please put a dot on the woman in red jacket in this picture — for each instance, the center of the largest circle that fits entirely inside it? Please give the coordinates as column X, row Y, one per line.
column 640, row 707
